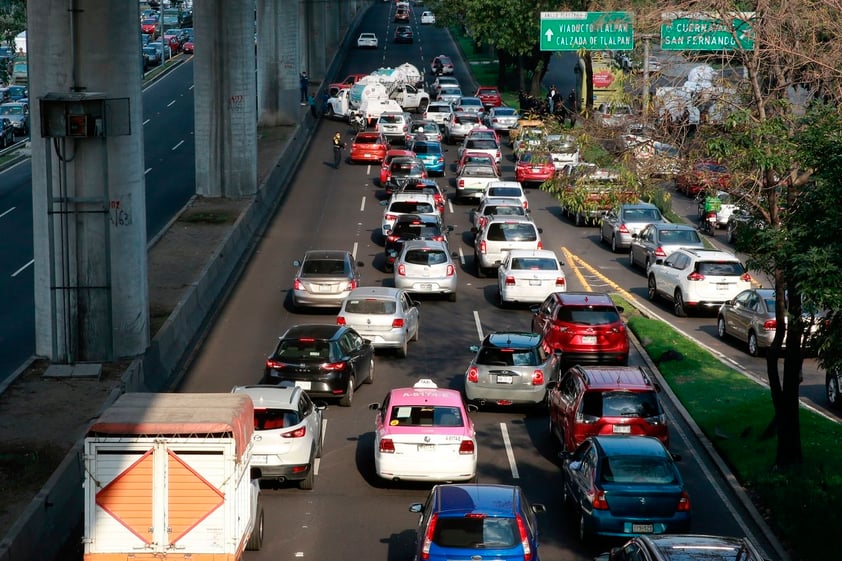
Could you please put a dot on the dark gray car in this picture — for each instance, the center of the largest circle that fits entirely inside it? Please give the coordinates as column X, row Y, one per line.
column 656, row 241
column 621, row 223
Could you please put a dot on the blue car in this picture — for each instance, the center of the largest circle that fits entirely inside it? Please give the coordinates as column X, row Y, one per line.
column 625, row 486
column 472, row 521
column 429, row 152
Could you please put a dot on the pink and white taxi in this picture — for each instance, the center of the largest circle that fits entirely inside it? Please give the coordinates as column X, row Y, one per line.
column 424, row 433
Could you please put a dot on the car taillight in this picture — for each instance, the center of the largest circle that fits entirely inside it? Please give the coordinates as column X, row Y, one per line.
column 390, row 217
column 450, row 271
column 482, row 246
column 461, row 183
column 538, row 378
column 392, row 238
column 473, row 375
column 466, row 447
column 438, row 238
column 428, row 537
column 397, row 322
column 540, row 244
column 684, row 502
column 510, row 281
column 402, row 270
column 599, row 501
column 694, row 276
column 333, row 366
column 525, row 204
column 770, row 324
column 297, row 285
column 623, row 229
column 524, row 538
column 659, row 252
column 297, row 433
column 274, row 365
column 352, row 284
column 387, row 446
column 440, row 159
column 745, row 277
column 340, row 320
column 560, row 281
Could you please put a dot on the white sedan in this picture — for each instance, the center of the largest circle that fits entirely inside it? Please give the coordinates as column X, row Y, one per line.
column 529, row 276
column 428, row 18
column 367, row 41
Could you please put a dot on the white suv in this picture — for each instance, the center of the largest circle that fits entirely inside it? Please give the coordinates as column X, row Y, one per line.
column 697, row 279
column 287, row 433
column 501, row 235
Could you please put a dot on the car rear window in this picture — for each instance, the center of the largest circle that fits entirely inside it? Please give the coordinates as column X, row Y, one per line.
column 534, row 263
column 426, row 148
column 438, row 109
column 391, row 119
column 641, row 215
column 325, row 267
column 422, row 231
column 476, row 532
column 598, row 404
column 505, row 210
column 371, row 306
column 303, row 349
column 679, row 236
column 596, row 315
column 720, row 268
column 425, row 416
column 403, row 168
column 494, row 356
column 367, row 140
column 408, row 207
column 478, row 171
column 269, row 419
column 481, row 144
column 425, row 257
column 504, row 192
column 638, row 469
column 512, row 233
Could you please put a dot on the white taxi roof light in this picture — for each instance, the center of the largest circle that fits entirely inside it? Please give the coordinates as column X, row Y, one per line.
column 425, row 383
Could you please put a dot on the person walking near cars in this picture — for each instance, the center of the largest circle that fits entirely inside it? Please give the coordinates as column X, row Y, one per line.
column 572, row 107
column 338, row 146
column 304, row 83
column 551, row 97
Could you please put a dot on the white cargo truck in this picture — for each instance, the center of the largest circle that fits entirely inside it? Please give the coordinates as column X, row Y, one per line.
column 168, row 476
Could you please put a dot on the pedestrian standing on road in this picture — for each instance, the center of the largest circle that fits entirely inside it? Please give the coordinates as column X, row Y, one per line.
column 311, row 101
column 304, row 83
column 338, row 147
column 572, row 107
column 551, row 97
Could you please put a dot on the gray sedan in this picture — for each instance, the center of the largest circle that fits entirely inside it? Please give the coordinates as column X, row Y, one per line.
column 501, row 118
column 621, row 223
column 426, row 267
column 324, row 279
column 384, row 315
column 656, row 241
column 749, row 317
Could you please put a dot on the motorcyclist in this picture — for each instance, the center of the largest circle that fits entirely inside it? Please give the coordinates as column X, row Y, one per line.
column 712, row 206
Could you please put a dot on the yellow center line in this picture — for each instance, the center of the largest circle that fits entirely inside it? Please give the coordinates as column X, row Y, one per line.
column 576, row 263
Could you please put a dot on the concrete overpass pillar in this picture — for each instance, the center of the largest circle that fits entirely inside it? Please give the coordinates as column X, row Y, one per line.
column 88, row 190
column 318, row 43
column 348, row 9
column 278, row 31
column 225, row 95
column 332, row 23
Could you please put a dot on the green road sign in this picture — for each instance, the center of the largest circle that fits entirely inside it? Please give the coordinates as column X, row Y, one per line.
column 702, row 33
column 571, row 31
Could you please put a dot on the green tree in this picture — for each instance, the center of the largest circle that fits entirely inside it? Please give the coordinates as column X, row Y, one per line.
column 12, row 19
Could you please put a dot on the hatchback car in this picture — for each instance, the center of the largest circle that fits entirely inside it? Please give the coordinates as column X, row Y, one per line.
column 684, row 547
column 427, row 186
column 500, row 236
column 501, row 118
column 443, row 81
column 449, row 94
column 488, row 146
column 495, row 206
column 469, row 104
column 438, row 112
column 469, row 157
column 384, row 315
column 287, row 433
column 424, row 433
column 368, row 147
column 324, row 278
column 367, row 41
column 18, row 113
column 7, row 133
column 621, row 223
column 406, row 203
column 534, row 166
column 511, row 368
column 585, row 326
column 385, row 165
column 474, row 521
column 430, row 153
column 624, row 486
column 605, row 400
column 403, row 34
column 529, row 276
column 428, row 18
column 460, row 125
column 423, row 129
column 508, row 189
column 656, row 241
column 426, row 267
column 393, row 125
column 327, row 361
column 441, row 65
column 403, row 170
column 489, row 96
column 411, row 227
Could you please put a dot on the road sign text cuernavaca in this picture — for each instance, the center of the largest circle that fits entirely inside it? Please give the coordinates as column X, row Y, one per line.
column 706, row 32
column 571, row 31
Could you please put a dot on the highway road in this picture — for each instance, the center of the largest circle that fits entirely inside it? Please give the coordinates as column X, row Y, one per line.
column 351, row 513
column 169, row 154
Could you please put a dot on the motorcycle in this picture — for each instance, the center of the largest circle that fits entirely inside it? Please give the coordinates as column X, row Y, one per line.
column 708, row 225
column 358, row 122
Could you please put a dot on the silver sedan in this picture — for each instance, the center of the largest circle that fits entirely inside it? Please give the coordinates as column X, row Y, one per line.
column 529, row 275
column 324, row 279
column 426, row 267
column 384, row 315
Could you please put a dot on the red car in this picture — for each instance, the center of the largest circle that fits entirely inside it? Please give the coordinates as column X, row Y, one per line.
column 148, row 26
column 172, row 41
column 369, row 147
column 187, row 47
column 490, row 96
column 385, row 171
column 705, row 175
column 585, row 326
column 345, row 84
column 534, row 167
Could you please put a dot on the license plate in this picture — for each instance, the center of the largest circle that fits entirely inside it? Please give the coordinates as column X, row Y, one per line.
column 534, row 282
column 426, row 447
column 721, row 286
column 589, row 340
column 325, row 288
column 302, row 385
column 621, row 429
column 537, row 169
column 259, row 460
column 643, row 528
column 426, row 286
column 504, row 379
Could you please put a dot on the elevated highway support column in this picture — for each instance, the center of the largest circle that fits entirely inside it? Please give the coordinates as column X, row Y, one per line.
column 225, row 98
column 88, row 189
column 316, row 37
column 278, row 31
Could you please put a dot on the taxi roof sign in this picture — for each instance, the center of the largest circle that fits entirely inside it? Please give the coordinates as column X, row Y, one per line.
column 425, row 383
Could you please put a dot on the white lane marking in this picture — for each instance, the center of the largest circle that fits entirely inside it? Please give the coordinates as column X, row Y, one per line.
column 509, row 452
column 461, row 256
column 450, row 205
column 19, row 271
column 146, row 121
column 180, row 142
column 362, row 205
column 478, row 324
column 191, row 87
column 7, row 212
column 368, row 169
column 147, row 171
column 170, row 104
column 354, row 250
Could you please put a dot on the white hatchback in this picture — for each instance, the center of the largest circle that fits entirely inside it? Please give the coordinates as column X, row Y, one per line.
column 406, row 203
column 428, row 17
column 529, row 276
column 384, row 315
column 426, row 267
column 367, row 41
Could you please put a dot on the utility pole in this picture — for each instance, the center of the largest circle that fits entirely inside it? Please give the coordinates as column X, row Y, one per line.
column 646, row 37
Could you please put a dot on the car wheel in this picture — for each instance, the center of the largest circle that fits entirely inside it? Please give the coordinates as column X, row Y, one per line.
column 330, row 113
column 831, row 386
column 614, row 247
column 401, row 351
column 632, row 264
column 648, row 264
column 370, row 379
column 678, row 305
column 417, row 331
column 580, row 219
column 652, row 288
column 308, row 482
column 348, row 398
column 584, row 532
column 256, row 539
column 720, row 327
column 479, row 270
column 753, row 346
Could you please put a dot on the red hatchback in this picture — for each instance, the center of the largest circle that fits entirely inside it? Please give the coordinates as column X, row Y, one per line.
column 149, row 26
column 585, row 326
column 369, row 147
column 490, row 96
column 385, row 171
column 534, row 167
column 605, row 400
column 705, row 175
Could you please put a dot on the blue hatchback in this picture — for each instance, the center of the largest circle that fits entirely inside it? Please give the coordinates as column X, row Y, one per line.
column 625, row 486
column 470, row 521
column 429, row 152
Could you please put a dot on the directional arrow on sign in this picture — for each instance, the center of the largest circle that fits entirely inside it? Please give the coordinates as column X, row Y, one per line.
column 549, row 34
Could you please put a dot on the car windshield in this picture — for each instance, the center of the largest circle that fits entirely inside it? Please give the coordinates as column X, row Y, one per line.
column 371, row 306
column 534, row 264
column 323, row 267
column 637, row 469
column 720, row 268
column 426, row 257
column 592, row 315
column 11, row 110
column 516, row 232
column 495, row 356
column 425, row 416
column 476, row 532
column 268, row 419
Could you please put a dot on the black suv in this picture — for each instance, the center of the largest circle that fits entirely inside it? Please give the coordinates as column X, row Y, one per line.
column 327, row 361
column 403, row 170
column 684, row 547
column 411, row 227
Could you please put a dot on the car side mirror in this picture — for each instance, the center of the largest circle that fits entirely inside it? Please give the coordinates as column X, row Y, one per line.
column 360, row 263
column 676, row 457
column 296, row 263
column 472, row 408
column 473, row 348
column 450, row 228
column 454, row 254
column 540, row 230
column 538, row 508
column 621, row 309
column 533, row 309
column 416, row 508
column 374, row 406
